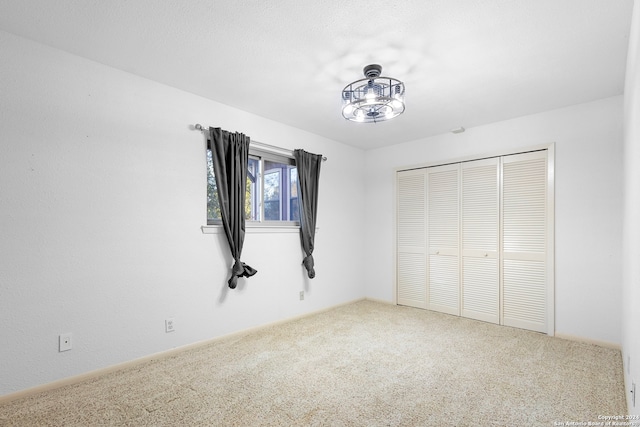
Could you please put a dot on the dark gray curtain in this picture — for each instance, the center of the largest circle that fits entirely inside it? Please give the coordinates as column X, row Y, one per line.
column 230, row 153
column 308, row 166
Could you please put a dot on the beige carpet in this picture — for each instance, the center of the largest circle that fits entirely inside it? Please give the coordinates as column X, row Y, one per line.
column 363, row 364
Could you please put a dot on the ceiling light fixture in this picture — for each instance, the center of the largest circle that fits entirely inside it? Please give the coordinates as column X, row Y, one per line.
column 374, row 98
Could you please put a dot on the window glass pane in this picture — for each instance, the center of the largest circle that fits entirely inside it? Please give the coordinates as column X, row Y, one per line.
column 251, row 202
column 251, row 197
column 294, row 213
column 273, row 191
column 280, row 191
column 213, row 204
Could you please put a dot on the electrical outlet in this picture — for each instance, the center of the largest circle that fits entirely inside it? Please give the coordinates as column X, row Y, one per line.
column 64, row 342
column 169, row 325
column 301, row 295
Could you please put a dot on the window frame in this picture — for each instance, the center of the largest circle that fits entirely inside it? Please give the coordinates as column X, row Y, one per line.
column 262, row 155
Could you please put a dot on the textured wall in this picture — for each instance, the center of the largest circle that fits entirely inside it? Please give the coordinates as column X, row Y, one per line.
column 102, row 196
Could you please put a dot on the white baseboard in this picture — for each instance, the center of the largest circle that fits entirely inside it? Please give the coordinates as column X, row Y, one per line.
column 381, row 301
column 160, row 355
column 102, row 371
column 588, row 341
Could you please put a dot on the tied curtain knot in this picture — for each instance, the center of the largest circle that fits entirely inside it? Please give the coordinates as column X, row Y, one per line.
column 240, row 269
column 308, row 264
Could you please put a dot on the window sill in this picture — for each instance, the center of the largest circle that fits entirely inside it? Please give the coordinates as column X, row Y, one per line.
column 255, row 228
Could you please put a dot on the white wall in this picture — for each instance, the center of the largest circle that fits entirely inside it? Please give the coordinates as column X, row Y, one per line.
column 102, row 195
column 631, row 215
column 588, row 203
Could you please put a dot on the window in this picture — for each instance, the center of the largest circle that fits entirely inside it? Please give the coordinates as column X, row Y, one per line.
column 271, row 189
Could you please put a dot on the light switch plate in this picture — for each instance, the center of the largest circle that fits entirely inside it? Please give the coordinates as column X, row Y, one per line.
column 64, row 342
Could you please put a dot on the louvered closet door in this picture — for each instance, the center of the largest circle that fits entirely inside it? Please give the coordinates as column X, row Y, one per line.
column 412, row 238
column 444, row 238
column 480, row 240
column 524, row 220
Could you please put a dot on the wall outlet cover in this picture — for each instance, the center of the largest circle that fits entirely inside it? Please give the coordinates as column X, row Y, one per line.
column 169, row 325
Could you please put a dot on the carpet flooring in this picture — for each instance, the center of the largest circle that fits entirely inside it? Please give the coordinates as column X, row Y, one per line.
column 361, row 364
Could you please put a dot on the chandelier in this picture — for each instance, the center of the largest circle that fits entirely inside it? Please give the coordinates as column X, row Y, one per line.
column 374, row 98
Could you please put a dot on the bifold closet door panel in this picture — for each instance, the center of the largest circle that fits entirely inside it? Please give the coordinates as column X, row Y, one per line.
column 524, row 244
column 411, row 236
column 480, row 240
column 443, row 237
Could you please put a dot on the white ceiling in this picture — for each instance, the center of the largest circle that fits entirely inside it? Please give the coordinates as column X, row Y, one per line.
column 464, row 62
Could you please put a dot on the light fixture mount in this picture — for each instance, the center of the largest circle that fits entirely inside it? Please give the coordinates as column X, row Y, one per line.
column 374, row 98
column 372, row 71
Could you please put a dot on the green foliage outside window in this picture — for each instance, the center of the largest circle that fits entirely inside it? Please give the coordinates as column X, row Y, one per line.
column 213, row 202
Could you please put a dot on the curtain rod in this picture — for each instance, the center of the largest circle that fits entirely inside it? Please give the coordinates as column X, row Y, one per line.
column 201, row 128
